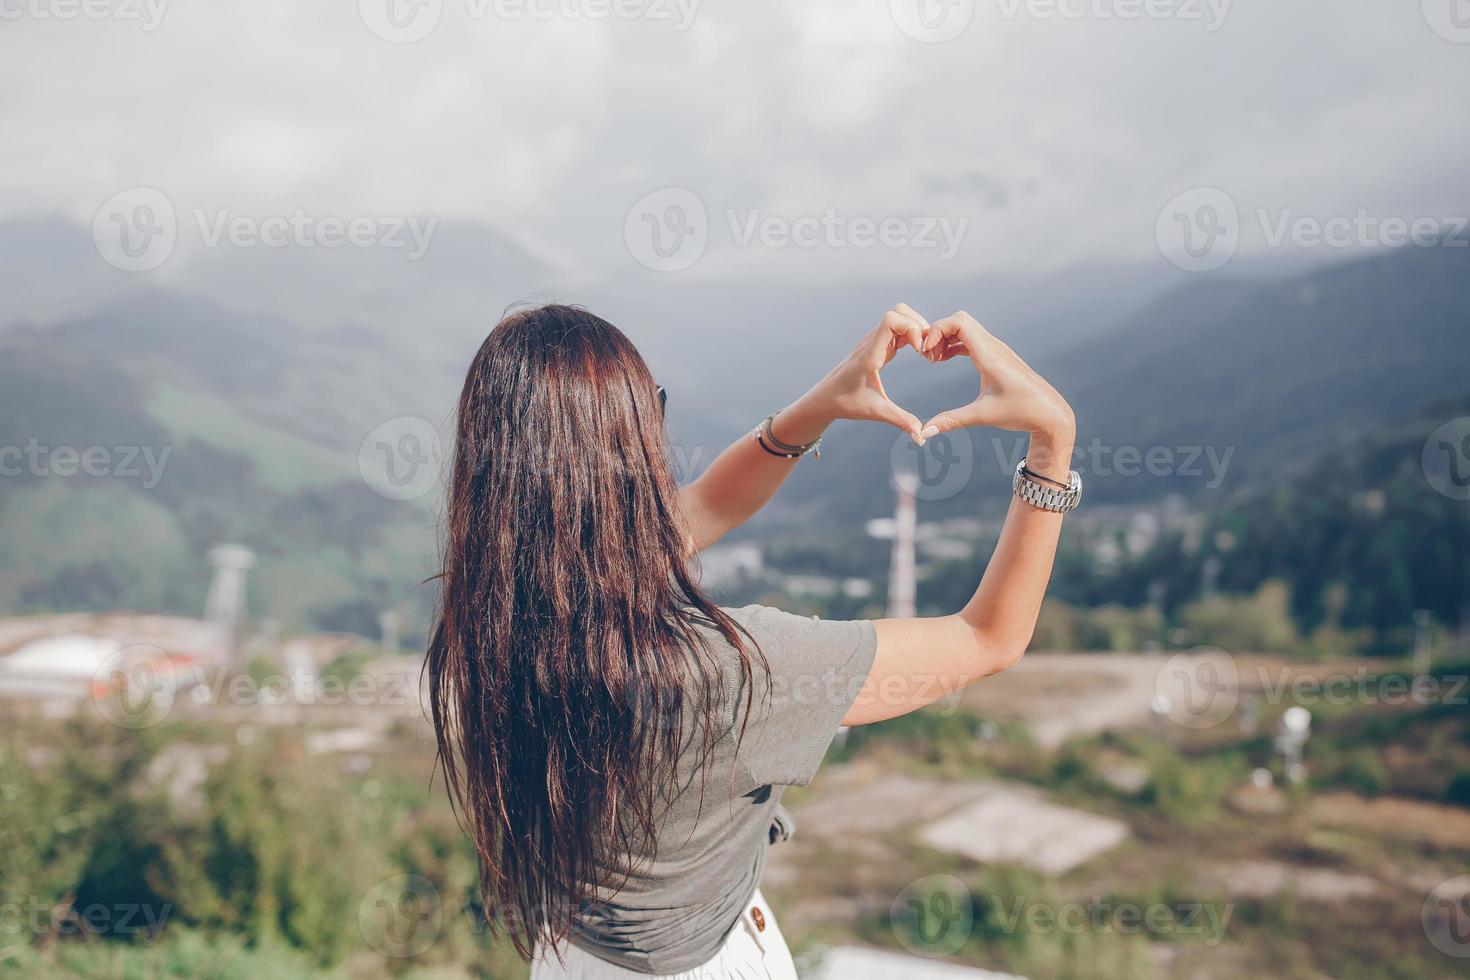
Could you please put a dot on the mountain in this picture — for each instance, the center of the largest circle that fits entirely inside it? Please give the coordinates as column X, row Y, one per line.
column 254, row 378
column 1224, row 381
column 1364, row 532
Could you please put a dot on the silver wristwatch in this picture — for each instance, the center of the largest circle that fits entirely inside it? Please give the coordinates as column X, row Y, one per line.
column 1045, row 494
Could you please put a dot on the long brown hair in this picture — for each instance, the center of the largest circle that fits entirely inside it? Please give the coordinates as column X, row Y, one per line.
column 565, row 655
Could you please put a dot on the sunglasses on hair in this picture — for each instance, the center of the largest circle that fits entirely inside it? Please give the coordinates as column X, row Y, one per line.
column 663, row 398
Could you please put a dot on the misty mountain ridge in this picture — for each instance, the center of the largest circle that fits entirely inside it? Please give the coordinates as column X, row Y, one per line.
column 262, row 404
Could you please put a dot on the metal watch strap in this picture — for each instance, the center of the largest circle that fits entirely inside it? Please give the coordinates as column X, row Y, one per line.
column 1045, row 496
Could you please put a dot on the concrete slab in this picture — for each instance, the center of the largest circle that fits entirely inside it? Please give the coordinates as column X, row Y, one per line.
column 1017, row 824
column 857, row 963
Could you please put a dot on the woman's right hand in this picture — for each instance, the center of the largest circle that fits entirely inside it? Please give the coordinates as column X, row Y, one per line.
column 854, row 390
column 1012, row 396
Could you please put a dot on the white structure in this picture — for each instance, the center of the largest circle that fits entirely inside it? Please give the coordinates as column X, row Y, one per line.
column 390, row 623
column 902, row 577
column 728, row 564
column 58, row 666
column 1291, row 738
column 224, row 608
column 857, row 963
column 1018, row 825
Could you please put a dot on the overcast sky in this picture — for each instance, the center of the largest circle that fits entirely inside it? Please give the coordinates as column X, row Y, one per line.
column 1035, row 140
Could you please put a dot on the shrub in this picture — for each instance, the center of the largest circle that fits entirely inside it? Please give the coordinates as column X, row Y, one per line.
column 1364, row 774
column 1457, row 792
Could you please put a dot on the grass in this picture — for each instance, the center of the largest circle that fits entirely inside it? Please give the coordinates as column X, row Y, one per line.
column 283, row 462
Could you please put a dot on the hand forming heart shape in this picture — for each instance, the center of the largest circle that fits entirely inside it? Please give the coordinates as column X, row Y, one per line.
column 1012, row 396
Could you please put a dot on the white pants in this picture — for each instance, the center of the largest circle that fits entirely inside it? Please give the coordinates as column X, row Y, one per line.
column 754, row 950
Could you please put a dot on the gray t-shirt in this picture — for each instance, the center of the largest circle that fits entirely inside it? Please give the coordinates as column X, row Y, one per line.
column 674, row 913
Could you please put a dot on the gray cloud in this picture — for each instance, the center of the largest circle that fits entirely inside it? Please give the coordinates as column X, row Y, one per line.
column 1060, row 138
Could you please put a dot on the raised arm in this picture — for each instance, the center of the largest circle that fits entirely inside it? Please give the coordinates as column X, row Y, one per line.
column 744, row 477
column 921, row 660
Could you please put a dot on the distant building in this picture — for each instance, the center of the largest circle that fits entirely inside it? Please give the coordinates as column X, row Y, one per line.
column 730, row 564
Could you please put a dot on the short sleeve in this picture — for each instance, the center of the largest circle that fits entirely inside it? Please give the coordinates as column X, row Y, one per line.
column 817, row 669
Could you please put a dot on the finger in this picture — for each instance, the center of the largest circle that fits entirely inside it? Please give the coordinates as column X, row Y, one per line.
column 900, row 419
column 962, row 326
column 907, row 329
column 951, row 348
column 914, row 314
column 956, row 418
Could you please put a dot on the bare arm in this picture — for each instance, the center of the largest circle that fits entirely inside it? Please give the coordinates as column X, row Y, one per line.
column 921, row 660
column 744, row 477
